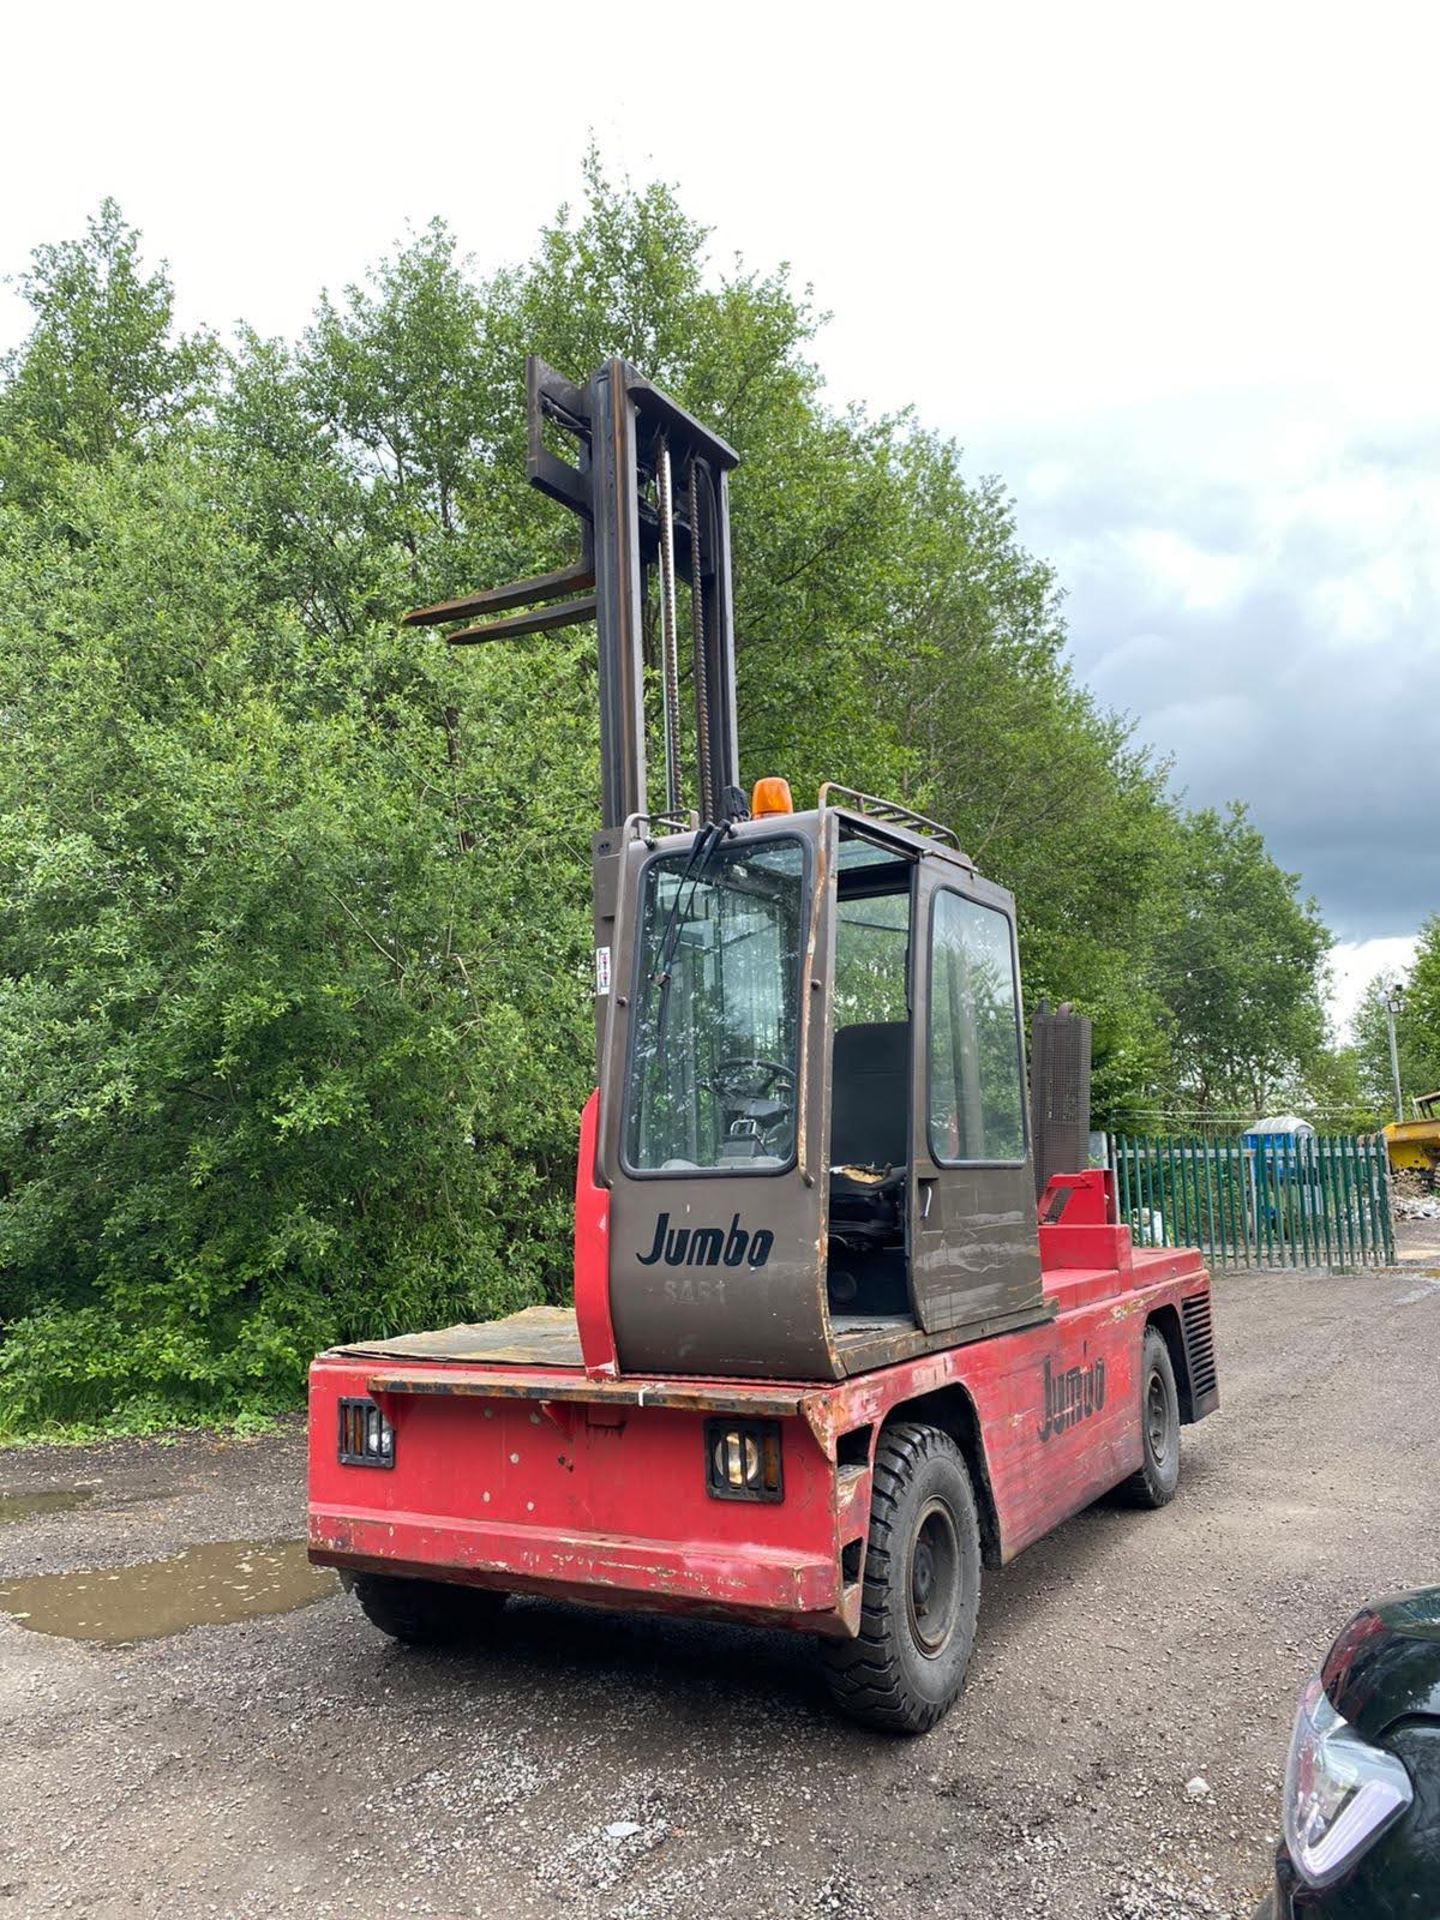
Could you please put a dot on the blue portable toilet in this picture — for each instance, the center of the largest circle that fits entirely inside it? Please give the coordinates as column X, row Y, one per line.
column 1278, row 1131
column 1272, row 1145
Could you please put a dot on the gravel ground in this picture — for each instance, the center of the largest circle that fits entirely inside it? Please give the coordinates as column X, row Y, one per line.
column 297, row 1764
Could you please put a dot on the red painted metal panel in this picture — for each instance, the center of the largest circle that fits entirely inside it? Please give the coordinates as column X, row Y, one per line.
column 592, row 1255
column 571, row 1495
column 760, row 1399
column 780, row 1587
column 1079, row 1199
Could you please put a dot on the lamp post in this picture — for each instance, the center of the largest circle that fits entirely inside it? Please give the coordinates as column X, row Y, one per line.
column 1393, row 999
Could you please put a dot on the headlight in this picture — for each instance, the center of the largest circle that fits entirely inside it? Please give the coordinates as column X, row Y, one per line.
column 367, row 1438
column 742, row 1460
column 1340, row 1792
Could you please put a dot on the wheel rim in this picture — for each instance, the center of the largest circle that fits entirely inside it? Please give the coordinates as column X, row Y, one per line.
column 1157, row 1418
column 933, row 1594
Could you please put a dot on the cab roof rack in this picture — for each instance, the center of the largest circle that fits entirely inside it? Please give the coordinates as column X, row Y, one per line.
column 888, row 812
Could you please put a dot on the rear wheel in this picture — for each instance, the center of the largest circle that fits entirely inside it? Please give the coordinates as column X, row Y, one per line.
column 1159, row 1473
column 921, row 1594
column 426, row 1613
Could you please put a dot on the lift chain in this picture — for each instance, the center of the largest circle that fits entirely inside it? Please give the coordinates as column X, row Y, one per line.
column 670, row 659
column 697, row 630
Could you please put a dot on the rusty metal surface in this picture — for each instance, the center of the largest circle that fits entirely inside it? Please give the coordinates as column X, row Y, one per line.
column 617, row 421
column 576, row 1497
column 550, row 396
column 591, row 1256
column 570, row 613
column 551, row 1482
column 559, row 1388
column 534, row 1337
column 1059, row 1092
column 620, row 582
column 887, row 812
column 718, row 1319
column 974, row 1252
column 882, row 1341
column 682, row 425
column 588, row 1586
column 579, row 578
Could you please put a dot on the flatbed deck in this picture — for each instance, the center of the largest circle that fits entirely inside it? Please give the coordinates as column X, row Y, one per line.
column 534, row 1337
column 549, row 1337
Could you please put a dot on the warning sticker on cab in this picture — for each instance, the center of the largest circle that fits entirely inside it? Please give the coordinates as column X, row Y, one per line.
column 602, row 970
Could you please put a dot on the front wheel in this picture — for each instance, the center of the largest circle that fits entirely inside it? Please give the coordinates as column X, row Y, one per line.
column 425, row 1613
column 921, row 1594
column 1154, row 1484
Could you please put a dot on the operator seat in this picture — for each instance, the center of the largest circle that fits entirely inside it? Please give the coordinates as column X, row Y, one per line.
column 870, row 1095
column 869, row 1132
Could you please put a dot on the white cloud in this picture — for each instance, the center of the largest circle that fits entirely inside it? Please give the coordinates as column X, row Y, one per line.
column 1197, row 577
column 1354, row 964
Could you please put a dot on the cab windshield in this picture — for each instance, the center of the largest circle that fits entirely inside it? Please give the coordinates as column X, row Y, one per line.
column 713, row 1059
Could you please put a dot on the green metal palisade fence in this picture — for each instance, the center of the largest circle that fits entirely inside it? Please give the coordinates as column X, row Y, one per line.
column 1316, row 1201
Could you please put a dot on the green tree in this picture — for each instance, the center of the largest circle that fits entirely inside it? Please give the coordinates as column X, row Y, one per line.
column 297, row 497
column 1420, row 1010
column 1333, row 1096
column 399, row 373
column 1241, row 971
column 1417, row 1028
column 277, row 1068
column 101, row 368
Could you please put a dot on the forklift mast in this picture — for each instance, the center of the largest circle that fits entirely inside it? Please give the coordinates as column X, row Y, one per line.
column 650, row 490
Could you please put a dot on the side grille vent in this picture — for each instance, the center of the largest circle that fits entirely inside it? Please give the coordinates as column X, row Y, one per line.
column 1199, row 1334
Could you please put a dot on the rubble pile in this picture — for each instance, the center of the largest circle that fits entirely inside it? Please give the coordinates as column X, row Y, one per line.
column 1409, row 1183
column 1413, row 1196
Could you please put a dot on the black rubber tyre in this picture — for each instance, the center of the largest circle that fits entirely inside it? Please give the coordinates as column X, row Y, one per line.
column 921, row 1592
column 425, row 1613
column 1154, row 1484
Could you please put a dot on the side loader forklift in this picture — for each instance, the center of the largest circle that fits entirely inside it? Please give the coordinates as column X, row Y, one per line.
column 829, row 1353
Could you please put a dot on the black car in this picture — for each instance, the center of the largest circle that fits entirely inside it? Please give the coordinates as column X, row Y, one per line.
column 1362, row 1790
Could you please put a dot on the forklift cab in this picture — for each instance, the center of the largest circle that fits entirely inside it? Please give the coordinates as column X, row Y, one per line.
column 813, row 1112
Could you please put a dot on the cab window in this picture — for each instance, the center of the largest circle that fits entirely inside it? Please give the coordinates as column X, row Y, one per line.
column 977, row 1078
column 714, row 1057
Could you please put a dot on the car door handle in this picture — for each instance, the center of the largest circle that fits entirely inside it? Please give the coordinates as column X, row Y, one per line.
column 927, row 1195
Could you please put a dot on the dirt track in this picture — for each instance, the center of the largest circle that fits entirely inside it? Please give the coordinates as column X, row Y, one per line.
column 297, row 1764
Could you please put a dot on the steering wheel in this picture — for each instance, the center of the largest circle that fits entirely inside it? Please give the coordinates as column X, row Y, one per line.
column 748, row 1076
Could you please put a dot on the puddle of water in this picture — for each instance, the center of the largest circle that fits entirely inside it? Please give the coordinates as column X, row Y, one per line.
column 24, row 1506
column 210, row 1585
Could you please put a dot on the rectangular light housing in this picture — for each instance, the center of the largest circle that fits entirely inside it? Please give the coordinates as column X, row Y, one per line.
column 367, row 1438
column 742, row 1460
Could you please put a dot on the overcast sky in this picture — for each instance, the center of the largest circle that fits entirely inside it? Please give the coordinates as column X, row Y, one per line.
column 1170, row 270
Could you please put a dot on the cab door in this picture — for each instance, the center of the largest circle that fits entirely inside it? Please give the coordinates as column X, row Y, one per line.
column 974, row 1246
column 713, row 1101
